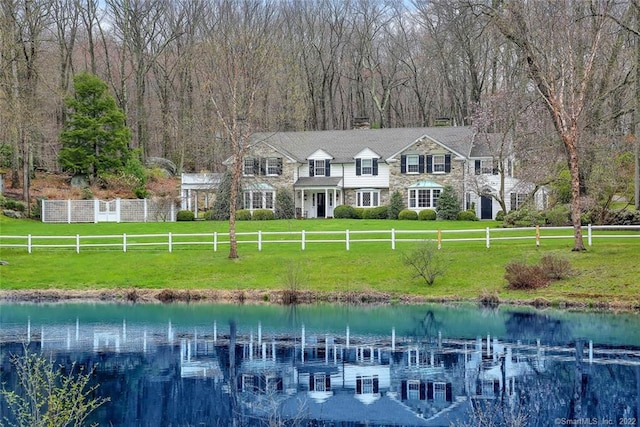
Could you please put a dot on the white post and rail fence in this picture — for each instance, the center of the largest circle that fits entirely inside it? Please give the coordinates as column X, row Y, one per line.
column 304, row 238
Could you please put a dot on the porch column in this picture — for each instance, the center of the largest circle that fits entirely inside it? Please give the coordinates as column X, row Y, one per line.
column 195, row 210
column 326, row 205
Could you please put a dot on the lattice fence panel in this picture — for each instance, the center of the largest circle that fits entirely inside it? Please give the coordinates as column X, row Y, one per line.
column 82, row 211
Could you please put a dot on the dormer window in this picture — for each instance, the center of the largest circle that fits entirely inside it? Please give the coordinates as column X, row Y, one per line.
column 366, row 166
column 319, row 168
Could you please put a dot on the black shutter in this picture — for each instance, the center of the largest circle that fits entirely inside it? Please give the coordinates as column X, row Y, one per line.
column 311, row 165
column 358, row 167
column 478, row 387
column 280, row 166
column 477, row 166
column 239, row 382
column 447, row 163
column 421, row 164
column 496, row 387
column 256, row 166
column 423, row 391
column 403, row 390
column 375, row 166
column 327, row 383
column 263, row 166
column 256, row 383
column 376, row 385
column 327, row 168
column 279, row 384
column 403, row 164
column 449, row 392
column 430, row 390
column 311, row 383
column 358, row 385
column 429, row 163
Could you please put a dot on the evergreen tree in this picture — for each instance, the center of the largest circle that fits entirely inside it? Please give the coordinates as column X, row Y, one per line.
column 285, row 208
column 221, row 207
column 448, row 204
column 395, row 205
column 95, row 138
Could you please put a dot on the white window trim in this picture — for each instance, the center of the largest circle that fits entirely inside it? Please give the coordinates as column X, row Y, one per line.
column 244, row 166
column 317, row 169
column 417, row 164
column 269, row 166
column 374, row 197
column 439, row 164
column 265, row 197
column 369, row 166
column 431, row 202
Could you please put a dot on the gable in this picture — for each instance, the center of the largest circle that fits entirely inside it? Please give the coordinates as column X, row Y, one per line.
column 367, row 153
column 320, row 155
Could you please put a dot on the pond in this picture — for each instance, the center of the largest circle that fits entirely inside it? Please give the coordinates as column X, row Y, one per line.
column 422, row 365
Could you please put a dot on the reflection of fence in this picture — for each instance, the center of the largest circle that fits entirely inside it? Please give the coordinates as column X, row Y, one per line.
column 171, row 241
column 118, row 210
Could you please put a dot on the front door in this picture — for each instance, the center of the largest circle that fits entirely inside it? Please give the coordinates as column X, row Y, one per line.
column 486, row 211
column 321, row 201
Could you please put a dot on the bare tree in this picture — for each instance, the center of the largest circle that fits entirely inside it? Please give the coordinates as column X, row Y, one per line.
column 562, row 57
column 239, row 57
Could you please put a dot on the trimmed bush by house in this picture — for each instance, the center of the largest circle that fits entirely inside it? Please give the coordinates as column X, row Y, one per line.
column 375, row 213
column 558, row 216
column 185, row 216
column 359, row 213
column 427, row 215
column 523, row 217
column 500, row 216
column 344, row 211
column 467, row 215
column 408, row 214
column 243, row 215
column 262, row 215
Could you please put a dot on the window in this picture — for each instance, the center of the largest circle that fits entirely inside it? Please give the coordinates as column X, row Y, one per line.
column 258, row 200
column 320, row 382
column 248, row 383
column 439, row 392
column 413, row 390
column 249, row 166
column 486, row 167
column 424, row 198
column 518, row 200
column 319, row 168
column 273, row 166
column 413, row 163
column 368, row 198
column 367, row 385
column 367, row 166
column 438, row 163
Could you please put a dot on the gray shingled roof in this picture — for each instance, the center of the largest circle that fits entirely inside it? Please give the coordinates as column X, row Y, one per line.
column 343, row 145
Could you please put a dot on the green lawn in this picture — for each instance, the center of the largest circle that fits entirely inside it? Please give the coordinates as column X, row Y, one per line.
column 608, row 272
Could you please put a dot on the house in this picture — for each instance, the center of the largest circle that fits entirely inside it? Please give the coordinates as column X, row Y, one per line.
column 364, row 167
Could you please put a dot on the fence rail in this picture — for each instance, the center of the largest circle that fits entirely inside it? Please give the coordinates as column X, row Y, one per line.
column 171, row 241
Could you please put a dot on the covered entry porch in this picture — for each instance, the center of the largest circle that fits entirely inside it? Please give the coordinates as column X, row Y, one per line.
column 316, row 197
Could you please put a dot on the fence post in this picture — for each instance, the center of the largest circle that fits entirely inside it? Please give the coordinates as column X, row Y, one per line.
column 439, row 239
column 303, row 238
column 69, row 211
column 77, row 243
column 146, row 210
column 346, row 235
column 393, row 239
column 589, row 234
column 43, row 214
column 124, row 242
column 96, row 210
column 29, row 243
column 537, row 236
column 170, row 242
column 488, row 239
column 259, row 240
column 215, row 241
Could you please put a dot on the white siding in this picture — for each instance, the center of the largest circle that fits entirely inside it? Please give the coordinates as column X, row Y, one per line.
column 351, row 180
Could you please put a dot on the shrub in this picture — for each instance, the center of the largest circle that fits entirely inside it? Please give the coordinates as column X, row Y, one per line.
column 395, row 205
column 448, row 204
column 262, row 215
column 359, row 213
column 467, row 215
column 344, row 211
column 426, row 261
column 185, row 216
column 285, row 207
column 381, row 212
column 13, row 205
column 407, row 214
column 427, row 215
column 558, row 216
column 520, row 275
column 555, row 267
column 243, row 215
column 500, row 216
column 523, row 217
